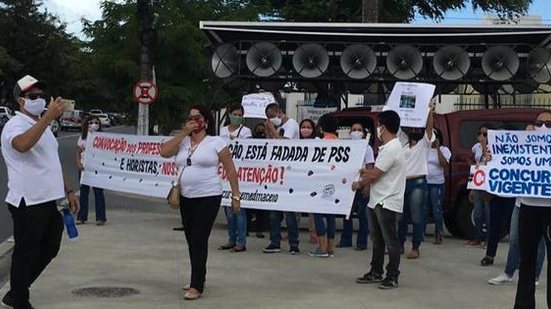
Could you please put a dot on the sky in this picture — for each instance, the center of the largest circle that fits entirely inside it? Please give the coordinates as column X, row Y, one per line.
column 71, row 12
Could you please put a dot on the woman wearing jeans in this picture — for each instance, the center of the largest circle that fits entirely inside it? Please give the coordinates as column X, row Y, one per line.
column 92, row 125
column 237, row 222
column 199, row 154
column 439, row 159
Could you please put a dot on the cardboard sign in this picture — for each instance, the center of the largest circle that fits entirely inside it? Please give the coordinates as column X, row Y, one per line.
column 255, row 104
column 411, row 102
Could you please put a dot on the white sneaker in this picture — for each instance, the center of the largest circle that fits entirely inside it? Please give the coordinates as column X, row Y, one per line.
column 501, row 279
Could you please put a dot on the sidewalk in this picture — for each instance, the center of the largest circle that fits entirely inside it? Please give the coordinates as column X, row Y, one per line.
column 138, row 249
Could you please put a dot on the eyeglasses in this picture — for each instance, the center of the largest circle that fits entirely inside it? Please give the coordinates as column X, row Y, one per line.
column 34, row 96
column 194, row 117
column 541, row 123
column 483, row 134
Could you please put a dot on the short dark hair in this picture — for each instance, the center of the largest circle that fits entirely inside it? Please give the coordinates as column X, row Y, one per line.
column 205, row 112
column 272, row 106
column 311, row 122
column 328, row 123
column 391, row 120
column 236, row 107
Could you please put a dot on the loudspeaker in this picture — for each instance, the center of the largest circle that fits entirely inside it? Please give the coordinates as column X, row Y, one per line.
column 451, row 62
column 404, row 62
column 310, row 60
column 500, row 63
column 539, row 64
column 263, row 59
column 358, row 61
column 225, row 61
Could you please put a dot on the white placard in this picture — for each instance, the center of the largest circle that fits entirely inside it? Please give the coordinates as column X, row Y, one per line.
column 314, row 113
column 520, row 165
column 411, row 102
column 255, row 104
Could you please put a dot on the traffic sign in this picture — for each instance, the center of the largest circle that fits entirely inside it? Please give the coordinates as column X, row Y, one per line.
column 145, row 92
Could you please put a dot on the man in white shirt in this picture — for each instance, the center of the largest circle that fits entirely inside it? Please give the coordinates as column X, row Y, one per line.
column 386, row 183
column 280, row 126
column 534, row 221
column 416, row 150
column 35, row 183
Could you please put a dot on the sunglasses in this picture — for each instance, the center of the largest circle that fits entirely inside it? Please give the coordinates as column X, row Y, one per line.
column 194, row 117
column 34, row 96
column 483, row 134
column 541, row 123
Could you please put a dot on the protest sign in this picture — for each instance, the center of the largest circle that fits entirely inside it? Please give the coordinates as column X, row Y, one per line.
column 520, row 165
column 411, row 102
column 310, row 176
column 477, row 178
column 314, row 113
column 255, row 104
column 128, row 163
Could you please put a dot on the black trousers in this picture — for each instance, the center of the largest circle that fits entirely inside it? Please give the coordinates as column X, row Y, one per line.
column 198, row 215
column 37, row 232
column 533, row 223
column 501, row 209
column 383, row 232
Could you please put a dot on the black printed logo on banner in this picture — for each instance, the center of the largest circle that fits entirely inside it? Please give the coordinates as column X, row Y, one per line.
column 328, row 191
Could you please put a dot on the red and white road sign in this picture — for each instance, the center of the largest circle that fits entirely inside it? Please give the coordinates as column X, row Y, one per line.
column 145, row 92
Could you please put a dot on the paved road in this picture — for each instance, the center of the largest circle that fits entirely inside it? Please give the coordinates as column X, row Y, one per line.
column 67, row 144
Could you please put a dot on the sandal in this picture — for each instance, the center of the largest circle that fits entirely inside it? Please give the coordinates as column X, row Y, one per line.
column 192, row 294
column 227, row 246
column 238, row 248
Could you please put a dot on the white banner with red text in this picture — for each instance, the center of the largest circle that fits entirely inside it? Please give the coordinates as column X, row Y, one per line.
column 520, row 165
column 128, row 163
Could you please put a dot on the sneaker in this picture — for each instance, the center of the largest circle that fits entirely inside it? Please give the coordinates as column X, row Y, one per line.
column 271, row 248
column 370, row 277
column 318, row 254
column 388, row 283
column 7, row 301
column 331, row 253
column 501, row 279
column 294, row 250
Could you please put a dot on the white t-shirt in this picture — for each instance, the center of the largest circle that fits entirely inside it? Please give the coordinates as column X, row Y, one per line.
column 36, row 174
column 369, row 156
column 477, row 152
column 389, row 189
column 289, row 129
column 201, row 179
column 81, row 143
column 435, row 170
column 417, row 156
column 241, row 132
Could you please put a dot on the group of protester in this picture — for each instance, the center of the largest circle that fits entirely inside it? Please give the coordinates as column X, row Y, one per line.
column 396, row 187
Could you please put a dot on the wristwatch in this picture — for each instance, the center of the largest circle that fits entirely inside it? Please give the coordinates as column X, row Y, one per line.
column 236, row 198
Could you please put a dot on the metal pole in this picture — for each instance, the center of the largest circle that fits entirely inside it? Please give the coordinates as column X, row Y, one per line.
column 145, row 15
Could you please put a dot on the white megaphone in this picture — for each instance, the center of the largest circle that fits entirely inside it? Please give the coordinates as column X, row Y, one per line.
column 451, row 62
column 404, row 62
column 539, row 65
column 224, row 61
column 310, row 60
column 500, row 63
column 264, row 59
column 358, row 61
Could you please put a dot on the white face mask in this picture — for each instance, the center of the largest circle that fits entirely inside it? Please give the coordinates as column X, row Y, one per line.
column 380, row 133
column 276, row 121
column 35, row 107
column 356, row 135
column 93, row 127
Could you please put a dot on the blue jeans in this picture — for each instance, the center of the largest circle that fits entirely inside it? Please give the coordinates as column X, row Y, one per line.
column 321, row 229
column 360, row 207
column 414, row 201
column 100, row 203
column 434, row 205
column 275, row 227
column 481, row 216
column 513, row 257
column 237, row 226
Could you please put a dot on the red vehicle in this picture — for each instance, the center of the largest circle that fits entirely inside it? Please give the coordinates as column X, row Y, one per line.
column 459, row 131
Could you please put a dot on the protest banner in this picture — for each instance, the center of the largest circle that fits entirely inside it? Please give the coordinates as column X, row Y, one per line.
column 128, row 163
column 314, row 113
column 411, row 102
column 310, row 176
column 255, row 104
column 520, row 165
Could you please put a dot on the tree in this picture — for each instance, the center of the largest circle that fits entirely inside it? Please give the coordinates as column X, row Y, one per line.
column 390, row 11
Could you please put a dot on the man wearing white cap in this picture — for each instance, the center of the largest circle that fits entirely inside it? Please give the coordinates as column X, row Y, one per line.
column 35, row 183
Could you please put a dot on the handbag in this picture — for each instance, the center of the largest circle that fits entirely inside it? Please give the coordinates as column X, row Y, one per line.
column 175, row 192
